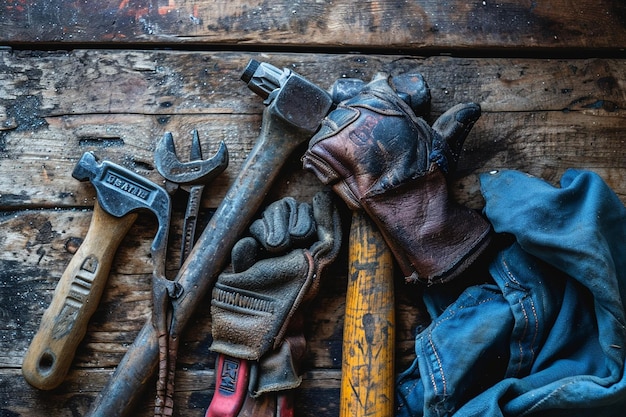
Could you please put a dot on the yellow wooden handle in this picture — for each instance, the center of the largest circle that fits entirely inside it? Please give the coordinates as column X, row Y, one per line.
column 75, row 299
column 367, row 375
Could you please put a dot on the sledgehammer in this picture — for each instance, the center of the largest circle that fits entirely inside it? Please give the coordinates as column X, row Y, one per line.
column 367, row 372
column 295, row 108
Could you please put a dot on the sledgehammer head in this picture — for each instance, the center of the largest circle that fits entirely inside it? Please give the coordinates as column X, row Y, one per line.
column 289, row 95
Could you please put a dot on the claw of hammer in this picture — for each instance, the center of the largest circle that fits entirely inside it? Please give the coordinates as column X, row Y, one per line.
column 121, row 192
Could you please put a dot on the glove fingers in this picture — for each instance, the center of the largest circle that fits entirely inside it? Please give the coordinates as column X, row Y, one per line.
column 244, row 254
column 271, row 230
column 453, row 126
column 284, row 224
column 413, row 90
column 302, row 223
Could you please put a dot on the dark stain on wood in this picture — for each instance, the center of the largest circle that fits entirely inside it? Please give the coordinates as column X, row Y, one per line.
column 23, row 113
column 607, row 84
column 8, row 413
column 72, row 244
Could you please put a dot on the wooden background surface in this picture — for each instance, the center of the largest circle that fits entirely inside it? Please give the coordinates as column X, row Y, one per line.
column 112, row 78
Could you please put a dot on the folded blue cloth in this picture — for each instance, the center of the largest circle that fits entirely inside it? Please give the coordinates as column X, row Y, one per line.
column 546, row 334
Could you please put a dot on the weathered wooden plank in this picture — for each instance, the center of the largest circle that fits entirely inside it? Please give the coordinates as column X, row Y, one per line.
column 194, row 391
column 541, row 143
column 538, row 115
column 38, row 85
column 417, row 25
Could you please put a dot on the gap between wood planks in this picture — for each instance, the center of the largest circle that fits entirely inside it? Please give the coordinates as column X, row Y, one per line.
column 618, row 52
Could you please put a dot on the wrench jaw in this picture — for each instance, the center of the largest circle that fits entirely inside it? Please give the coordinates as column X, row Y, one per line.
column 196, row 170
column 190, row 176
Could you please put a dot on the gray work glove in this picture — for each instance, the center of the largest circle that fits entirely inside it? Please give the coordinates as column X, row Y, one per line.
column 275, row 271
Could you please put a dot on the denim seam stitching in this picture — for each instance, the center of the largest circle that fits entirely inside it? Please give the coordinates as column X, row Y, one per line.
column 526, row 330
column 440, row 367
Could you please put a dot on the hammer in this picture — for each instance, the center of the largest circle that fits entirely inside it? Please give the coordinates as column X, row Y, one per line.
column 121, row 193
column 367, row 373
column 295, row 108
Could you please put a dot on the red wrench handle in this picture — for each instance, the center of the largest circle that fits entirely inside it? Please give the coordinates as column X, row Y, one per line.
column 231, row 386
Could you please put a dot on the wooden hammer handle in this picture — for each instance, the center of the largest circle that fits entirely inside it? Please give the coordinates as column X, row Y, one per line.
column 367, row 375
column 75, row 299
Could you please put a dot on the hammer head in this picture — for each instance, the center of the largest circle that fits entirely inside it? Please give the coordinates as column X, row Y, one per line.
column 290, row 96
column 121, row 191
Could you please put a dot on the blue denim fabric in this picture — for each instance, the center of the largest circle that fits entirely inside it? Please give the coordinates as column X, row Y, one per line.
column 548, row 336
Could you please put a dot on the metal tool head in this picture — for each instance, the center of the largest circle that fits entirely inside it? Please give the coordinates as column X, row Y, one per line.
column 289, row 95
column 121, row 191
column 197, row 170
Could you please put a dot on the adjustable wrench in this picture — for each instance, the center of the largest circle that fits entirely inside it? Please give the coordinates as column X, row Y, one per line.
column 190, row 176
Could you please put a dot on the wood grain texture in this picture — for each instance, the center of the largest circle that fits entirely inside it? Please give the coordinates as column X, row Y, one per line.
column 541, row 116
column 368, row 370
column 417, row 25
column 76, row 298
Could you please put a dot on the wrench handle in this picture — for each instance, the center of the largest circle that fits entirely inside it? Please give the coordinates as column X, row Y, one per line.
column 75, row 299
column 231, row 386
column 367, row 374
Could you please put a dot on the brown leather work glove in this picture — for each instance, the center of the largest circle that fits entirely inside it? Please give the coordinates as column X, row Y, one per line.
column 275, row 271
column 379, row 156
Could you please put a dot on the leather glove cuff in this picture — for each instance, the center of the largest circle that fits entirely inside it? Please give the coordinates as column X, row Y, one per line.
column 432, row 238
